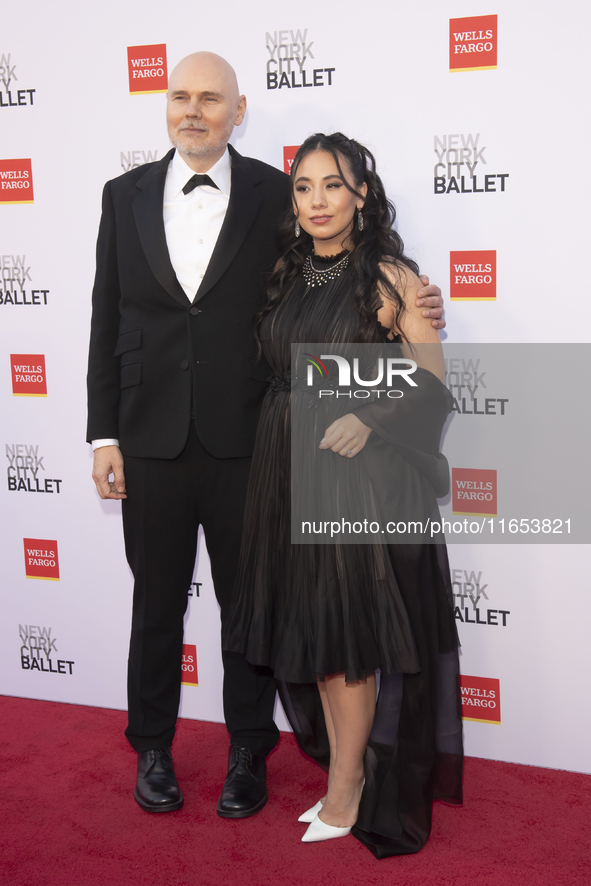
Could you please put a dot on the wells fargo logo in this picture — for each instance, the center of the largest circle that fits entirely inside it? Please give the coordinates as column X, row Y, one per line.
column 189, row 666
column 473, row 43
column 16, row 181
column 28, row 375
column 474, row 492
column 473, row 275
column 288, row 157
column 41, row 559
column 147, row 69
column 481, row 699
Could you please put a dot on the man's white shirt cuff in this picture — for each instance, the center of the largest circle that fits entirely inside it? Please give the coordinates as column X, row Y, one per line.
column 98, row 444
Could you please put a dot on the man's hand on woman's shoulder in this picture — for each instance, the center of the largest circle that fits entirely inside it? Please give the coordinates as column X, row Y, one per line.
column 430, row 299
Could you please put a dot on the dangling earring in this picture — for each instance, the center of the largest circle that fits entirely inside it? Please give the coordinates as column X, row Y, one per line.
column 297, row 228
column 359, row 220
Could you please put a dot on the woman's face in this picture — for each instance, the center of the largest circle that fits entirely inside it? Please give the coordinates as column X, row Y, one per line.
column 324, row 206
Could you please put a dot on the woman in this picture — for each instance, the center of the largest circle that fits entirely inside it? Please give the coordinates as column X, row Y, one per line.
column 326, row 617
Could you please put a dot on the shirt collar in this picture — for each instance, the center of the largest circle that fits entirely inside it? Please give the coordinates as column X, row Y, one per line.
column 180, row 173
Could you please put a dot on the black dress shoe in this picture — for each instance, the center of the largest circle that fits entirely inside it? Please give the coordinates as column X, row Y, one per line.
column 245, row 790
column 157, row 789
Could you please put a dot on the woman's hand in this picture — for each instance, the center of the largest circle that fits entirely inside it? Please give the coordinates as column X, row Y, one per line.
column 347, row 436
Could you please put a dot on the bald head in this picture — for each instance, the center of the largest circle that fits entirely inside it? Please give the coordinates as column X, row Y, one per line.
column 206, row 65
column 203, row 106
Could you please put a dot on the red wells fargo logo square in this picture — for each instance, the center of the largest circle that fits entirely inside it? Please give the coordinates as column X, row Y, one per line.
column 28, row 375
column 473, row 275
column 473, row 43
column 289, row 153
column 147, row 69
column 189, row 676
column 474, row 492
column 16, row 181
column 481, row 699
column 41, row 559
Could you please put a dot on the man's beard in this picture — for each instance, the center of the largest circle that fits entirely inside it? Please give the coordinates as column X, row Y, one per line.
column 205, row 147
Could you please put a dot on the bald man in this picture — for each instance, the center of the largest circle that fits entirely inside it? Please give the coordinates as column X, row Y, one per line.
column 174, row 392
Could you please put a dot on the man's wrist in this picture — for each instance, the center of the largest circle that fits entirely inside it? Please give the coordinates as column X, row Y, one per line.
column 107, row 441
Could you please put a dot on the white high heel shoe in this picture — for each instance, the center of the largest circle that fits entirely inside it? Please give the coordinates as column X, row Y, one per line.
column 310, row 814
column 318, row 830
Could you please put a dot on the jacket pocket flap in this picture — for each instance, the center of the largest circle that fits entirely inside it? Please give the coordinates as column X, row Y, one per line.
column 131, row 374
column 128, row 341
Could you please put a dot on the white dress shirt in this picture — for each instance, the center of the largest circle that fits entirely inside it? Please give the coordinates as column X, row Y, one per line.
column 192, row 224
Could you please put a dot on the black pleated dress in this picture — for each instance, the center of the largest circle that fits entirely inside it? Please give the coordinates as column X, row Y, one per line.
column 309, row 610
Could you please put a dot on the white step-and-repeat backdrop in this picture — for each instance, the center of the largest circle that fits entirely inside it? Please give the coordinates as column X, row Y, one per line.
column 477, row 117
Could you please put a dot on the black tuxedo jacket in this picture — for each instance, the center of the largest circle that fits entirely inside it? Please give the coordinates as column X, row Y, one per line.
column 155, row 356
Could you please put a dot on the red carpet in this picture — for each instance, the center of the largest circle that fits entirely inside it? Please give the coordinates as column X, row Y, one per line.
column 68, row 817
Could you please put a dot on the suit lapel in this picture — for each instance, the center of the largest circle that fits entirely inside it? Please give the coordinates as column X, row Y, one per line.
column 243, row 207
column 147, row 210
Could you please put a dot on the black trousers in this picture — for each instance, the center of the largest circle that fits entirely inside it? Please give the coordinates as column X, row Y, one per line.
column 167, row 501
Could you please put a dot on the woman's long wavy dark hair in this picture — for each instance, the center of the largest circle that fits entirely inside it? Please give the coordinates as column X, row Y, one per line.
column 376, row 245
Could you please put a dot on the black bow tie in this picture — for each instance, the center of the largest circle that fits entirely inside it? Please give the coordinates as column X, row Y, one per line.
column 196, row 181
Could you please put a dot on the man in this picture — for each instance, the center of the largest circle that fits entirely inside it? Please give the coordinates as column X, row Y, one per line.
column 175, row 388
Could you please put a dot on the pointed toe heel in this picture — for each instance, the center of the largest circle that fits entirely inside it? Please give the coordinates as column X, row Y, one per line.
column 318, row 831
column 309, row 815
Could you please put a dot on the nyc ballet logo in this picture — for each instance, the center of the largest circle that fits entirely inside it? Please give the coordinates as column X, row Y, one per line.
column 465, row 380
column 459, row 167
column 24, row 464
column 469, row 590
column 15, row 272
column 133, row 159
column 12, row 95
column 39, row 651
column 289, row 62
